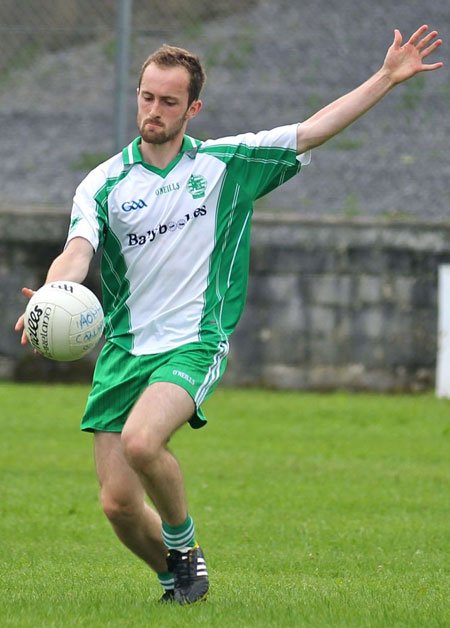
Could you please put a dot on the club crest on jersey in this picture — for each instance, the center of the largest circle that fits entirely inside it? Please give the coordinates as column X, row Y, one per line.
column 197, row 185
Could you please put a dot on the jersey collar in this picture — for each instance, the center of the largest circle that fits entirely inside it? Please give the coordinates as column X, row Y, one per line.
column 132, row 155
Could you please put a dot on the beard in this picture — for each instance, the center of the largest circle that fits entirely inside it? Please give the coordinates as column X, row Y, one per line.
column 155, row 135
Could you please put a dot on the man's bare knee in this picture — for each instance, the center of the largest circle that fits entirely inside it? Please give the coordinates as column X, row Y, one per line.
column 140, row 451
column 119, row 509
column 160, row 411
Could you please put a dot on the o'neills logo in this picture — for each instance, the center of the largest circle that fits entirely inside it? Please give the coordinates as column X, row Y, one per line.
column 37, row 329
column 33, row 325
column 165, row 189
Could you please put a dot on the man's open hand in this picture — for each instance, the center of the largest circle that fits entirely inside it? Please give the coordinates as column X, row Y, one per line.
column 403, row 61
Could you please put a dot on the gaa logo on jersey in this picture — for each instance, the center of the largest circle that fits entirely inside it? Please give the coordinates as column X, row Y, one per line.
column 129, row 206
column 197, row 185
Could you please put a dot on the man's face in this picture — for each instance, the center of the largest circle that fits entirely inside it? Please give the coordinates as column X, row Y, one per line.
column 163, row 109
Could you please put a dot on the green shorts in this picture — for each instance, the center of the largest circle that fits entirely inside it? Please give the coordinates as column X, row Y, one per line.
column 120, row 378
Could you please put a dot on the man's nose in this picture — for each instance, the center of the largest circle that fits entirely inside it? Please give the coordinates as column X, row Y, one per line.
column 155, row 109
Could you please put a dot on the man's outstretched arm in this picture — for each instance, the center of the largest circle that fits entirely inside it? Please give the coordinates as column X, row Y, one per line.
column 401, row 63
column 72, row 265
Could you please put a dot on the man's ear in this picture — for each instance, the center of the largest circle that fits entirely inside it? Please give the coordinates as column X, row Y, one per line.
column 194, row 109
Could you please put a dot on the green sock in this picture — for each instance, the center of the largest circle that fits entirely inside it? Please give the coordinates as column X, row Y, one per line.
column 166, row 580
column 179, row 537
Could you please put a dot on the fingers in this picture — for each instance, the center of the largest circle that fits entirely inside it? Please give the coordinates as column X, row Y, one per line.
column 426, row 45
column 19, row 324
column 19, row 327
column 417, row 35
column 20, row 321
column 423, row 44
column 28, row 292
column 431, row 48
column 397, row 38
column 432, row 66
column 426, row 40
column 425, row 48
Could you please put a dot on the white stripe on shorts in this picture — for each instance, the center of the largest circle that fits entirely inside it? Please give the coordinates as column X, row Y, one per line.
column 213, row 373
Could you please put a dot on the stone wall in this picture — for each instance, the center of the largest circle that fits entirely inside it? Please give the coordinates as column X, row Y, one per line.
column 331, row 303
column 341, row 304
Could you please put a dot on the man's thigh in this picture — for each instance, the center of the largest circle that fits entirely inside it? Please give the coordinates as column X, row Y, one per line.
column 162, row 408
column 197, row 368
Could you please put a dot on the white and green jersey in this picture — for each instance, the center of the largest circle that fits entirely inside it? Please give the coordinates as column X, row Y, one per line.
column 176, row 242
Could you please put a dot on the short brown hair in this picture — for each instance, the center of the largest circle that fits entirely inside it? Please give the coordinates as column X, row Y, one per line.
column 171, row 56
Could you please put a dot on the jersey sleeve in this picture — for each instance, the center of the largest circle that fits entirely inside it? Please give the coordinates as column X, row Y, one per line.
column 260, row 161
column 86, row 220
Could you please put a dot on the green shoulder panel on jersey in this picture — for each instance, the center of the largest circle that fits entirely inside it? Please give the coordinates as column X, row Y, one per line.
column 260, row 168
column 115, row 285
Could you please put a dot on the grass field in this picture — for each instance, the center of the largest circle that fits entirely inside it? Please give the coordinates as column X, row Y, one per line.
column 313, row 510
